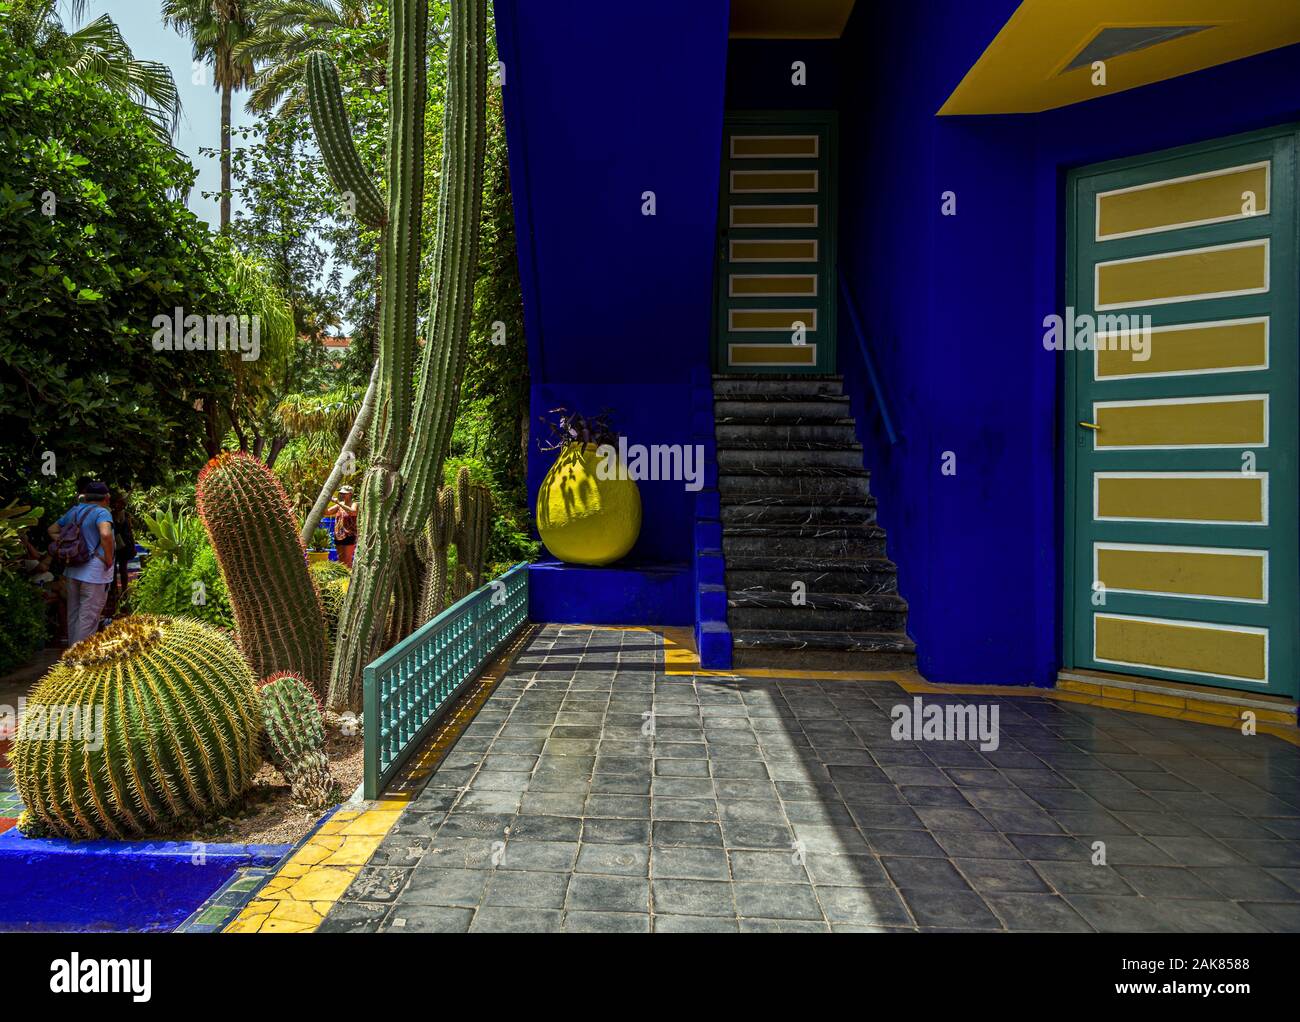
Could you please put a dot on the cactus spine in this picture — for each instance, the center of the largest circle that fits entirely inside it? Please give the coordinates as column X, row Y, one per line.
column 294, row 738
column 277, row 613
column 410, row 437
column 151, row 723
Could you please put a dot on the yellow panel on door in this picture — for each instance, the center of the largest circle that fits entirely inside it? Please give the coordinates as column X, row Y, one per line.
column 1175, row 497
column 756, row 146
column 1183, row 276
column 772, row 251
column 1189, row 571
column 1222, row 422
column 771, row 319
column 772, row 354
column 1242, row 344
column 772, row 285
column 1178, row 646
column 1180, row 203
column 774, row 180
column 774, row 216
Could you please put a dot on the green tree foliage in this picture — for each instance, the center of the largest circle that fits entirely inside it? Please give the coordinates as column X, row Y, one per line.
column 97, row 51
column 95, row 242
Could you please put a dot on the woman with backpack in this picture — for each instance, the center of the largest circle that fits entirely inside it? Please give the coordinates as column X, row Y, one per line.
column 85, row 546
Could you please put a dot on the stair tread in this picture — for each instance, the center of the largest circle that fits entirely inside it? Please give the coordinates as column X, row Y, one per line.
column 864, row 530
column 798, row 500
column 829, row 471
column 763, row 638
column 765, row 562
column 778, row 599
column 775, row 446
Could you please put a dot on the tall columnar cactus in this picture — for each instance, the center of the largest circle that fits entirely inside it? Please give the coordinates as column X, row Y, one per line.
column 293, row 738
column 413, row 426
column 473, row 528
column 148, row 725
column 433, row 550
column 277, row 612
column 463, row 517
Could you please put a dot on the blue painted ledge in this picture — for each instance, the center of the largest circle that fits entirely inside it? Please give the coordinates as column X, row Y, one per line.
column 86, row 886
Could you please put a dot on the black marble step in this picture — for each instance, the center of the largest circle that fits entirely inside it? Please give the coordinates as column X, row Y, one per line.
column 855, row 546
column 856, row 530
column 747, row 572
column 792, row 482
column 862, row 512
column 796, row 410
column 778, row 389
column 762, row 442
column 795, row 500
column 812, row 650
column 779, row 384
column 820, row 612
column 778, row 461
column 784, row 435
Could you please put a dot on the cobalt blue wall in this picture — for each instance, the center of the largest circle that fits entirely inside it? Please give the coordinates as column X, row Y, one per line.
column 604, row 102
column 955, row 305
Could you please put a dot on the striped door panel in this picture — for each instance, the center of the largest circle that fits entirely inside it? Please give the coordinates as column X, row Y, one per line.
column 775, row 283
column 1182, row 439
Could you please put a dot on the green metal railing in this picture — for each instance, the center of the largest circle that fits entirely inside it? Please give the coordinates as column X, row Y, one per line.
column 409, row 688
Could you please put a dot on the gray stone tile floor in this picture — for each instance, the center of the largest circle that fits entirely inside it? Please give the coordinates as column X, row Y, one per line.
column 594, row 793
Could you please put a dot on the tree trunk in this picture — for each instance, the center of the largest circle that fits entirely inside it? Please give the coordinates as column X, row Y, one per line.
column 226, row 92
column 350, row 446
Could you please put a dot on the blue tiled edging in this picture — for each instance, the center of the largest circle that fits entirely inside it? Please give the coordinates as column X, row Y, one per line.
column 84, row 886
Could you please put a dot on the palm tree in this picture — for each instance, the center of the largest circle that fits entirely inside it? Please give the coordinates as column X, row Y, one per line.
column 216, row 28
column 287, row 31
column 98, row 50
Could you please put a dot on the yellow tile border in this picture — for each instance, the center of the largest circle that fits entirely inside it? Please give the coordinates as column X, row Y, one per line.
column 301, row 893
column 680, row 658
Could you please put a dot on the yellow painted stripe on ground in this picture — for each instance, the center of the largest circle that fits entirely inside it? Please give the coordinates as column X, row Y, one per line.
column 680, row 658
column 300, row 895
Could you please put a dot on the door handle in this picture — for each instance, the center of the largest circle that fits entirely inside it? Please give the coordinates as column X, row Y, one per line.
column 1091, row 425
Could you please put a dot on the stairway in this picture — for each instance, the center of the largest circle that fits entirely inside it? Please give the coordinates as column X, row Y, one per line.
column 796, row 508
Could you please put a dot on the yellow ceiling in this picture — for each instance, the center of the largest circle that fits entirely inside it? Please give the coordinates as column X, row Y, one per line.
column 789, row 19
column 1023, row 69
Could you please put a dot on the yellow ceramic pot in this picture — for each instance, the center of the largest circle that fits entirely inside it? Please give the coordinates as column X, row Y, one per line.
column 582, row 518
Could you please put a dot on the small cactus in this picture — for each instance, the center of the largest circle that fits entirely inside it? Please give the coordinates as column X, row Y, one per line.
column 147, row 725
column 462, row 516
column 293, row 738
column 331, row 580
column 277, row 613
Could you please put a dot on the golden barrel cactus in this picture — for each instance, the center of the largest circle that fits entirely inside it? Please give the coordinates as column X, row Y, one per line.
column 148, row 725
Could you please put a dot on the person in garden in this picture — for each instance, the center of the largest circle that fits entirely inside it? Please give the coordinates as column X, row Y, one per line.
column 85, row 545
column 344, row 510
column 124, row 545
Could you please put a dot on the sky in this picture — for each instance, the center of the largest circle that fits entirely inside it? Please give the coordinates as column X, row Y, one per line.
column 142, row 27
column 200, row 127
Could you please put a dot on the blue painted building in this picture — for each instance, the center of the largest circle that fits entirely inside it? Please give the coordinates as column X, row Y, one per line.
column 863, row 219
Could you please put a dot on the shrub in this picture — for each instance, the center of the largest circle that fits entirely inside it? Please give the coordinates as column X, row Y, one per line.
column 167, row 586
column 23, row 612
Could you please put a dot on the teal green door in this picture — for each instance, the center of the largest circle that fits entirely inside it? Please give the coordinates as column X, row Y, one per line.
column 775, row 280
column 1181, row 439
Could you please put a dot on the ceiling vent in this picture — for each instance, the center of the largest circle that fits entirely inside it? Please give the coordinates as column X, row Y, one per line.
column 1116, row 42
